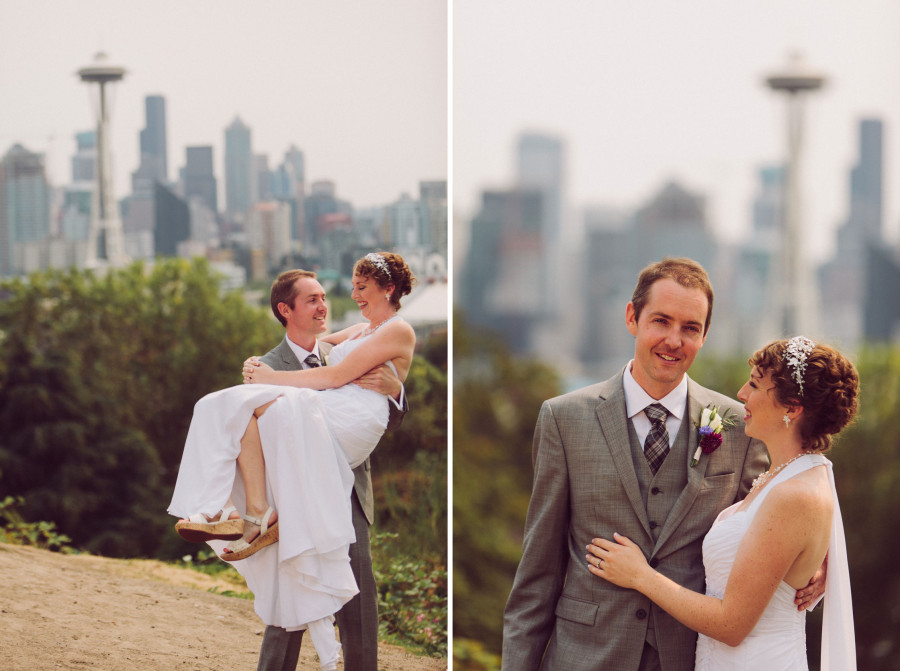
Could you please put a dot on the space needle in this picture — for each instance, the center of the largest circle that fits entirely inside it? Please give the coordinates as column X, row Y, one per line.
column 797, row 299
column 105, row 243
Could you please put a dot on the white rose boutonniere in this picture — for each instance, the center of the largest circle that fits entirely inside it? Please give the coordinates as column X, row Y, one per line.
column 711, row 425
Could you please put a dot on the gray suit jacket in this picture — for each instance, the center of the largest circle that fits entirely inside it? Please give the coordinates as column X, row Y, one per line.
column 585, row 486
column 282, row 357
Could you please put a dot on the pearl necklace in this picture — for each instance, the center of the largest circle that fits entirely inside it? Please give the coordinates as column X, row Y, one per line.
column 369, row 330
column 765, row 476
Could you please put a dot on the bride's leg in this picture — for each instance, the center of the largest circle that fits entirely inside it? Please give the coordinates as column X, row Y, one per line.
column 252, row 465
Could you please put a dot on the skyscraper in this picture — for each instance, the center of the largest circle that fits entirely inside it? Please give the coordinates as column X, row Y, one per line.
column 172, row 223
column 199, row 179
column 24, row 204
column 85, row 160
column 154, row 155
column 238, row 170
column 843, row 279
column 433, row 196
column 866, row 181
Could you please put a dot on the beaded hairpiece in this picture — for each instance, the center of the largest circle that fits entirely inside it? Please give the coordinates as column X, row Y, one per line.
column 795, row 354
column 379, row 262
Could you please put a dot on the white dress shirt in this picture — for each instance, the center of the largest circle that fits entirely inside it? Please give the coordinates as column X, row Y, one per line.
column 636, row 399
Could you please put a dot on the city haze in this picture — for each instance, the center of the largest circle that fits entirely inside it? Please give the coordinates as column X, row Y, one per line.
column 644, row 93
column 360, row 88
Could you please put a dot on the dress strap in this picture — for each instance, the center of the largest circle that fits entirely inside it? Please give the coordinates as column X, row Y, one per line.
column 796, row 467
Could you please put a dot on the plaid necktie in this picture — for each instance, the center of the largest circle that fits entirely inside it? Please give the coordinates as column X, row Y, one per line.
column 312, row 361
column 656, row 446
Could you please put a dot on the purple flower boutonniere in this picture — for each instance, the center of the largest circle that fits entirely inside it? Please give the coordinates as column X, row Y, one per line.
column 711, row 426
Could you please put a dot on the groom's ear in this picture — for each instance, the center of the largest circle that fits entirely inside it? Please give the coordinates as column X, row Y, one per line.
column 631, row 319
column 284, row 309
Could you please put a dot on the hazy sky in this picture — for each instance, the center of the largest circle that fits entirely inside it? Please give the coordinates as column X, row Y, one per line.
column 360, row 87
column 653, row 90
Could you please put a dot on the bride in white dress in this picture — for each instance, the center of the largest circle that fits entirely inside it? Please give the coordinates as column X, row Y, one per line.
column 297, row 448
column 760, row 551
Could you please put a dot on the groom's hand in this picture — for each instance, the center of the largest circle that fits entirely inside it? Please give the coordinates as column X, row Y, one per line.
column 815, row 589
column 383, row 380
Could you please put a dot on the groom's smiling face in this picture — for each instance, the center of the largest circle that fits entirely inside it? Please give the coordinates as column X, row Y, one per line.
column 668, row 334
column 307, row 315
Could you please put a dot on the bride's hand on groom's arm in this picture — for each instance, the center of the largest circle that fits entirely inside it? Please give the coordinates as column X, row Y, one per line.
column 256, row 372
column 808, row 596
column 621, row 561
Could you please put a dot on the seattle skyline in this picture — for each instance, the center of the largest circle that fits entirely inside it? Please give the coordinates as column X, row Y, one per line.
column 361, row 90
column 657, row 92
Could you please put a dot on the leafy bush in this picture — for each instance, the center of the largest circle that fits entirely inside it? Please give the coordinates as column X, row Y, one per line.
column 412, row 598
column 16, row 531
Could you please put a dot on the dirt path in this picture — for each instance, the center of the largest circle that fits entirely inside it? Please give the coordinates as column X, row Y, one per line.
column 82, row 612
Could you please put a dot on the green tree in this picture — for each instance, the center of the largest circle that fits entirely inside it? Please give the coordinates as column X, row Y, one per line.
column 410, row 467
column 98, row 378
column 496, row 399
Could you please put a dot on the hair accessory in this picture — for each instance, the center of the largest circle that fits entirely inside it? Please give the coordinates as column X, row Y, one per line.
column 787, row 420
column 795, row 354
column 379, row 262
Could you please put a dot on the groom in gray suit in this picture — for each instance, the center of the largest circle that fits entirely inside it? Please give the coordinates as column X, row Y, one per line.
column 298, row 302
column 617, row 457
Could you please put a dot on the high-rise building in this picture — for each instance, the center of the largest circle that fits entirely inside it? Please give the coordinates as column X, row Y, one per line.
column 866, row 182
column 24, row 205
column 199, row 179
column 289, row 185
column 540, row 168
column 433, row 198
column 85, row 160
column 239, row 183
column 172, row 223
column 673, row 223
column 505, row 255
column 262, row 178
column 406, row 223
column 843, row 278
column 153, row 139
column 320, row 201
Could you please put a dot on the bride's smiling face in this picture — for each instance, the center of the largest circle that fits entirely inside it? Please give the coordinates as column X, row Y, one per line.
column 763, row 415
column 369, row 296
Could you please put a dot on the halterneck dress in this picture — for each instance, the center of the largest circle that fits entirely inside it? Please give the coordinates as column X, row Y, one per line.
column 778, row 641
column 311, row 442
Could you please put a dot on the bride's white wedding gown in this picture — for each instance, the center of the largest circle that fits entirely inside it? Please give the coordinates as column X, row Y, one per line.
column 778, row 641
column 311, row 442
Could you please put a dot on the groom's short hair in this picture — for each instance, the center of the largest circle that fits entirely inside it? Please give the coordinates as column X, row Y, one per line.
column 284, row 290
column 686, row 272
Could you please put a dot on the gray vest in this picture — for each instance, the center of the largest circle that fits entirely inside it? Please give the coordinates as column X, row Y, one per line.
column 659, row 492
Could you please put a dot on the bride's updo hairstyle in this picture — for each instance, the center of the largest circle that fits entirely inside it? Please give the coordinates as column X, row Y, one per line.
column 386, row 268
column 816, row 377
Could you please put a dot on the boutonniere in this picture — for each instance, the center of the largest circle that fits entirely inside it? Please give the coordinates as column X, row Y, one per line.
column 711, row 425
column 326, row 357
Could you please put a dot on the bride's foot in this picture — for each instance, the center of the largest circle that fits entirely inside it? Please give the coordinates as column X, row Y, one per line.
column 225, row 525
column 258, row 533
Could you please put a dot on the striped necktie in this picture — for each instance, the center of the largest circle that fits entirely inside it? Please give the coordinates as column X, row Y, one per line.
column 312, row 361
column 656, row 446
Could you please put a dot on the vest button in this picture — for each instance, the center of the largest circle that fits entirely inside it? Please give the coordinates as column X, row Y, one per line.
column 654, row 562
column 653, row 525
column 641, row 614
column 655, row 490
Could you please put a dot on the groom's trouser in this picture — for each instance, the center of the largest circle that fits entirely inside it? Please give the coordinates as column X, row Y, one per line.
column 357, row 621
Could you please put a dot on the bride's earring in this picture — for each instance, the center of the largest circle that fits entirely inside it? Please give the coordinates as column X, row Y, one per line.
column 387, row 297
column 787, row 420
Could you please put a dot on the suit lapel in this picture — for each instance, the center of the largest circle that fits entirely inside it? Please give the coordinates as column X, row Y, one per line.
column 694, row 474
column 610, row 412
